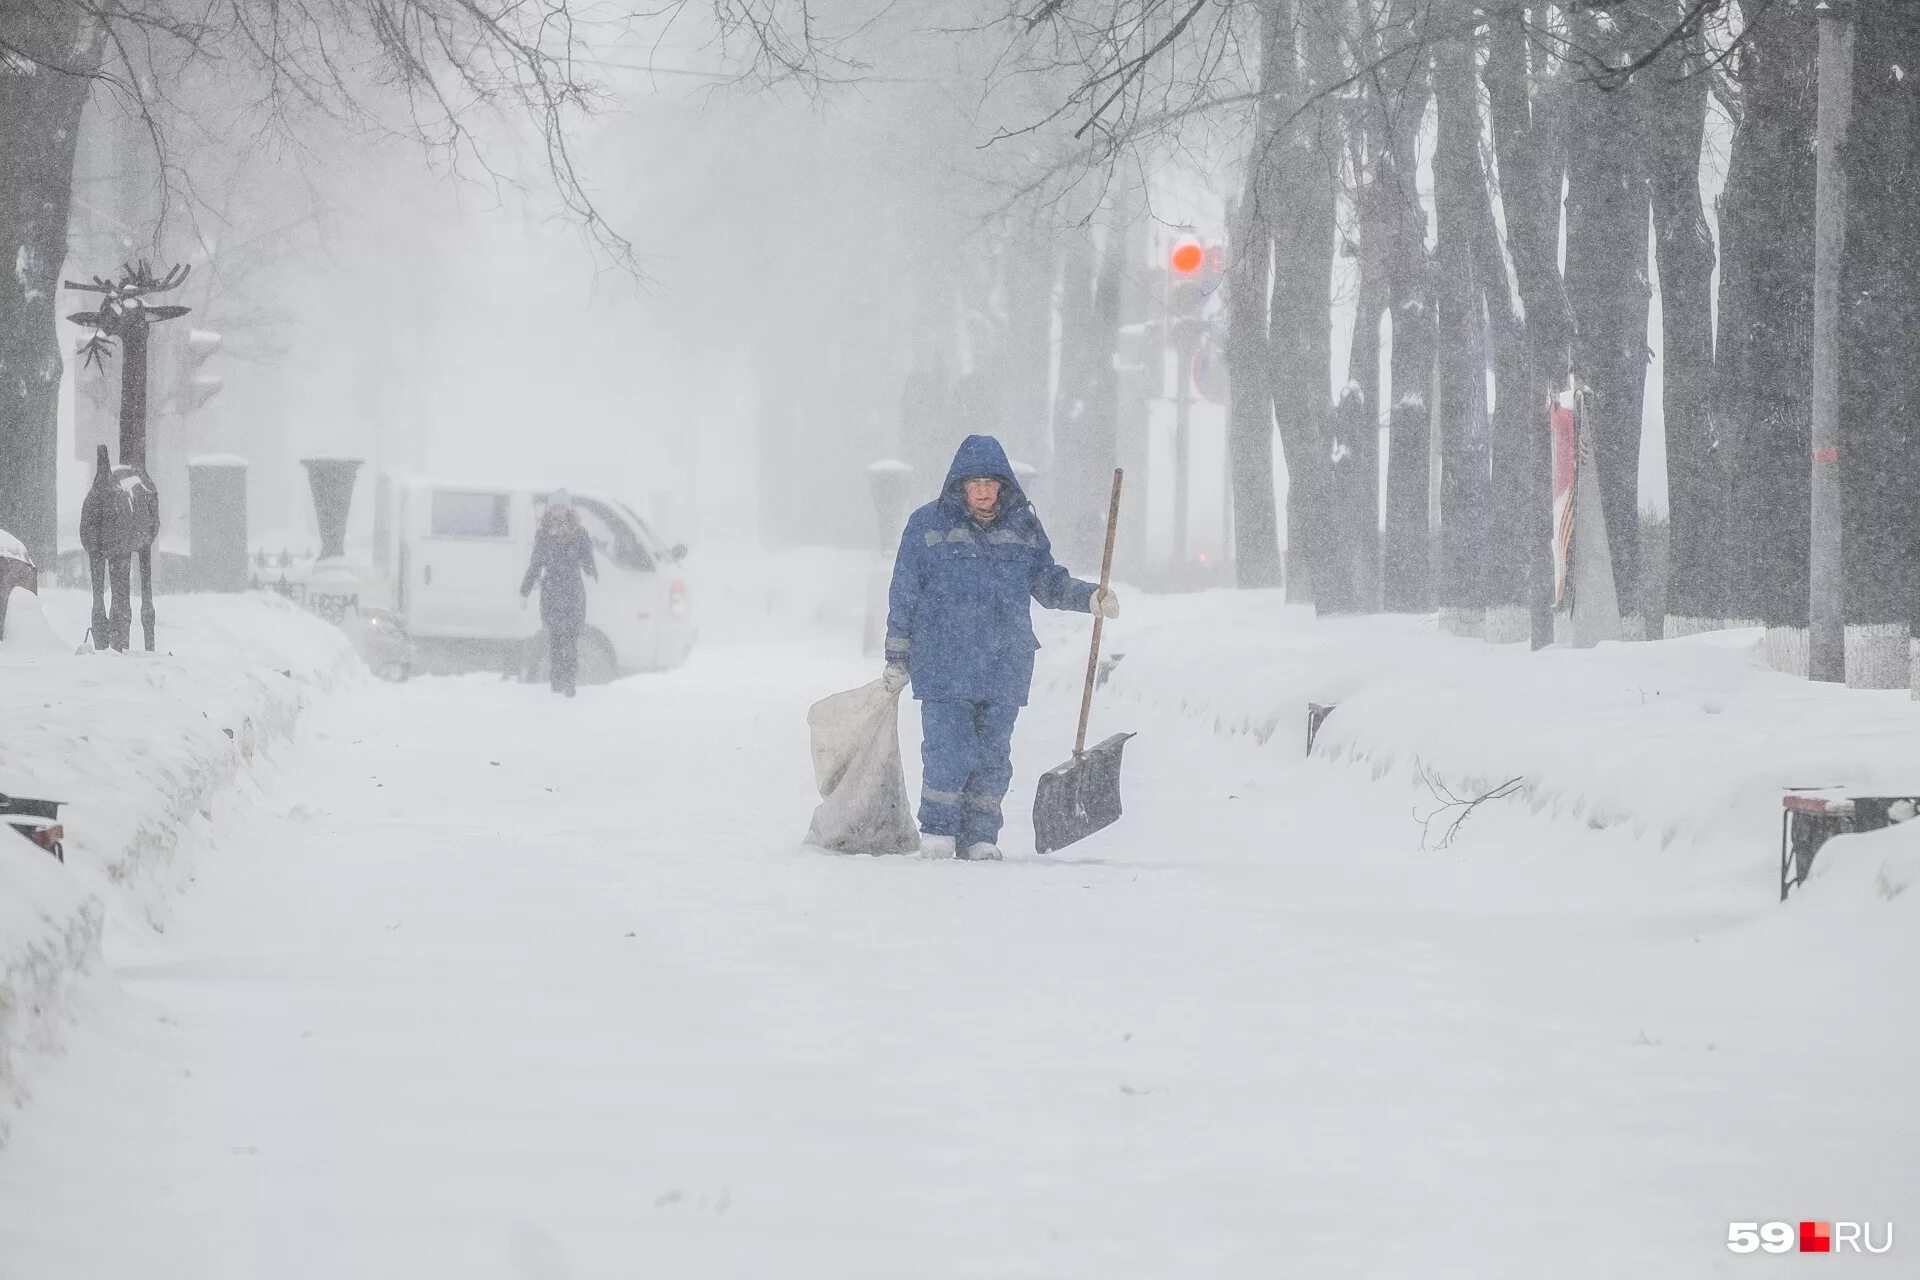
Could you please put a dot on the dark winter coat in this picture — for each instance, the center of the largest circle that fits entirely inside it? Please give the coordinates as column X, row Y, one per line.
column 958, row 614
column 560, row 557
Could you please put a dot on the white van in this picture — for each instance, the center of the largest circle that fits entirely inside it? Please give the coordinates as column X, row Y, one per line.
column 451, row 555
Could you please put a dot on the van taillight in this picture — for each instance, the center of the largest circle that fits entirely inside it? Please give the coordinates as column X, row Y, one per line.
column 677, row 598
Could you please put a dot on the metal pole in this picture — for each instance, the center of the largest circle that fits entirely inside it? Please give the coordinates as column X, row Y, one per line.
column 1226, row 499
column 1182, row 401
column 1826, row 608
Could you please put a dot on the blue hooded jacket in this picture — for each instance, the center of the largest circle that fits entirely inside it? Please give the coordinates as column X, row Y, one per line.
column 958, row 615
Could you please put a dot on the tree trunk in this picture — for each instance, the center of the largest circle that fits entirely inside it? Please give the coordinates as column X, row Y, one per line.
column 1256, row 532
column 1498, row 468
column 1075, row 428
column 1354, row 450
column 1607, row 282
column 1354, row 453
column 1531, row 154
column 1088, row 486
column 39, row 128
column 1300, row 194
column 931, row 383
column 1459, row 414
column 1763, row 360
column 1880, row 313
column 1405, row 584
column 1028, row 348
column 1683, row 243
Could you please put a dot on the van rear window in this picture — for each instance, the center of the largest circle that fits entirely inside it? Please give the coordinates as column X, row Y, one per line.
column 469, row 515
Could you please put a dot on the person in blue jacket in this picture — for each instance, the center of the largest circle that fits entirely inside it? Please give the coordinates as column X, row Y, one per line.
column 960, row 628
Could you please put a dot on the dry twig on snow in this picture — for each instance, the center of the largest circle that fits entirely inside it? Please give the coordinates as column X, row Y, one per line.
column 1449, row 802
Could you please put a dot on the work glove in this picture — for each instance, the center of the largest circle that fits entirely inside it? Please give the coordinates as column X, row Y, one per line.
column 1105, row 603
column 895, row 678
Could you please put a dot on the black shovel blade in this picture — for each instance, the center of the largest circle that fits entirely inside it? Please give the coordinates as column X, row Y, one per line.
column 1080, row 797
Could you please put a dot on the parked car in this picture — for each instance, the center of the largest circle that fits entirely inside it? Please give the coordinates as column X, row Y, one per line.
column 381, row 640
column 449, row 556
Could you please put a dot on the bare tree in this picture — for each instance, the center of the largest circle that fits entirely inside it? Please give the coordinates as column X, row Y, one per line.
column 1763, row 358
column 1407, row 88
column 443, row 73
column 1607, row 230
column 1462, row 292
column 1250, row 367
column 45, row 53
column 1525, row 91
column 1353, row 453
column 1880, row 390
column 1298, row 190
column 1684, row 251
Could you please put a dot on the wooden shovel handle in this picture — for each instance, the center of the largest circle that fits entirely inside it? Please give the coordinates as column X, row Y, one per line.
column 1093, row 655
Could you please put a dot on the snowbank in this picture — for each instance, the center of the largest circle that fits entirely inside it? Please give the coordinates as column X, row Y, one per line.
column 1689, row 742
column 139, row 746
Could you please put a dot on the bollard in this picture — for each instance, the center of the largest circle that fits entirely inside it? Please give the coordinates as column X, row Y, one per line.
column 217, row 523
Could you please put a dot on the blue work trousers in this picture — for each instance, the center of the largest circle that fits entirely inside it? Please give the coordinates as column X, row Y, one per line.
column 966, row 765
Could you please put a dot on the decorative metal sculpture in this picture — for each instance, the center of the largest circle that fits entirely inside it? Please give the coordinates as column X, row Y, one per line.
column 118, row 521
column 121, row 516
column 125, row 314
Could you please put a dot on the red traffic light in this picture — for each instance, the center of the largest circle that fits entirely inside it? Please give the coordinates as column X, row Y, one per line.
column 1187, row 258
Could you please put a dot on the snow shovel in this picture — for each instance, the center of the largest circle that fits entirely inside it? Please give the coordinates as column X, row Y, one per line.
column 1082, row 796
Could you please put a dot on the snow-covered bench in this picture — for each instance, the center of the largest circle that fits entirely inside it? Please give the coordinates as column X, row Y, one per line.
column 1811, row 816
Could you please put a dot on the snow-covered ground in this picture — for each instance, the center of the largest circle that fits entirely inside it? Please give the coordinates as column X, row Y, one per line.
column 490, row 983
column 1689, row 743
column 141, row 747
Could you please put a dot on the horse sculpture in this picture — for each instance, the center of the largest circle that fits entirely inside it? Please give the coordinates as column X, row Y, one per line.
column 119, row 520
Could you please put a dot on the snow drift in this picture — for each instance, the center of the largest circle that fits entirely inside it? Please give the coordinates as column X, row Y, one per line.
column 1688, row 742
column 139, row 746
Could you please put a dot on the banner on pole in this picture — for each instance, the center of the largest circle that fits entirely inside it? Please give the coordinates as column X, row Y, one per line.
column 1566, row 455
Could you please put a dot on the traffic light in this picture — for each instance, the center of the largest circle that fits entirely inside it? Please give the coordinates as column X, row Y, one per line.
column 191, row 387
column 1194, row 271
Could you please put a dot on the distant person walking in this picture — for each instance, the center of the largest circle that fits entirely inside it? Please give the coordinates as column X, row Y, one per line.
column 562, row 561
column 960, row 630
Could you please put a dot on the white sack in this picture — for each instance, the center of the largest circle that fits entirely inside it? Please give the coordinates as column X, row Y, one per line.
column 856, row 766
